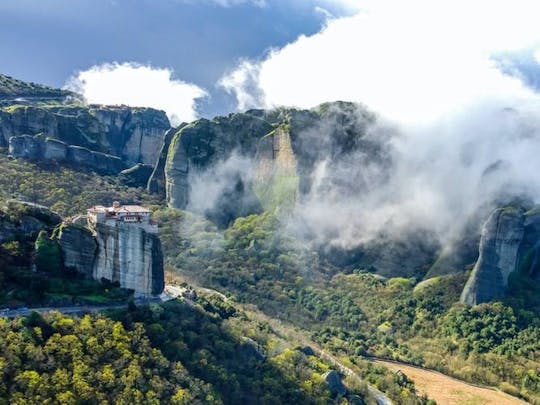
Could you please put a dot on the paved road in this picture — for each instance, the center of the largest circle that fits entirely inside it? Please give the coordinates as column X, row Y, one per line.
column 14, row 313
column 170, row 293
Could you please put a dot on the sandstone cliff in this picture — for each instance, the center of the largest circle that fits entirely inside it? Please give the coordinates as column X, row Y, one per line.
column 131, row 135
column 129, row 255
column 502, row 236
column 287, row 142
column 20, row 220
column 78, row 248
column 267, row 159
column 40, row 148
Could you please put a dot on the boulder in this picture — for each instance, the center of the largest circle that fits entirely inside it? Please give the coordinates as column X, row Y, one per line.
column 136, row 176
column 307, row 350
column 251, row 350
column 24, row 147
column 335, row 385
column 355, row 400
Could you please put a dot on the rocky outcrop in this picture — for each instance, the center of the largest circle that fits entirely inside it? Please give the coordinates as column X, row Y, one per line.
column 502, row 236
column 136, row 176
column 156, row 182
column 133, row 135
column 335, row 385
column 78, row 248
column 129, row 255
column 202, row 144
column 11, row 89
column 40, row 148
column 20, row 220
column 282, row 146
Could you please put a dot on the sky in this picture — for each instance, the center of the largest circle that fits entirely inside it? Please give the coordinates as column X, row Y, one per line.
column 200, row 58
column 197, row 41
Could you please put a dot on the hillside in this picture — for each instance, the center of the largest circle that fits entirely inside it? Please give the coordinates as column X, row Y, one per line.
column 11, row 89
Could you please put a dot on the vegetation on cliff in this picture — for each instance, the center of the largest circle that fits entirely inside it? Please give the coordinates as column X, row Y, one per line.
column 11, row 88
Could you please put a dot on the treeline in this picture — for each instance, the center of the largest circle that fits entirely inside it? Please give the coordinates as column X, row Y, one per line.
column 172, row 353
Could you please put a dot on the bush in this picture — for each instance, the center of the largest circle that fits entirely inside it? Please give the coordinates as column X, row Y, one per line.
column 48, row 256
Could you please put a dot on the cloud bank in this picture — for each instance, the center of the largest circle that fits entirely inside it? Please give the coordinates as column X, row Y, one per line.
column 410, row 61
column 139, row 86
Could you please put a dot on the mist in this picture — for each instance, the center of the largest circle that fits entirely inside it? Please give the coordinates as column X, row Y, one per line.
column 466, row 128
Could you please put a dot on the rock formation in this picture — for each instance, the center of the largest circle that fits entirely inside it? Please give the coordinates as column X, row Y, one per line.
column 500, row 243
column 136, row 176
column 130, row 256
column 79, row 249
column 156, row 182
column 335, row 385
column 128, row 248
column 39, row 148
column 20, row 220
column 131, row 135
column 128, row 253
column 281, row 142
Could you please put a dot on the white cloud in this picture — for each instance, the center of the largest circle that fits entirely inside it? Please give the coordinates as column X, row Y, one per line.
column 408, row 60
column 537, row 56
column 139, row 86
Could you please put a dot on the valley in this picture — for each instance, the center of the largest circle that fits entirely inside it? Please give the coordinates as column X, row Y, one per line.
column 267, row 214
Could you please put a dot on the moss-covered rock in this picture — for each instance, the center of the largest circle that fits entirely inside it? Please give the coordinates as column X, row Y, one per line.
column 136, row 176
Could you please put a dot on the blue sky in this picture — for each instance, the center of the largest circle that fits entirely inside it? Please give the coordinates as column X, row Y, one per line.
column 47, row 41
column 196, row 58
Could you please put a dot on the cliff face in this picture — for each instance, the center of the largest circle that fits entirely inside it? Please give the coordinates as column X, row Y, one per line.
column 202, row 144
column 156, row 182
column 276, row 143
column 499, row 256
column 39, row 148
column 131, row 135
column 129, row 255
column 78, row 248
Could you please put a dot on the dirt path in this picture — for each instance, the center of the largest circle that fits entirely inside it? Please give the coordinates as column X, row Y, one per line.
column 449, row 391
